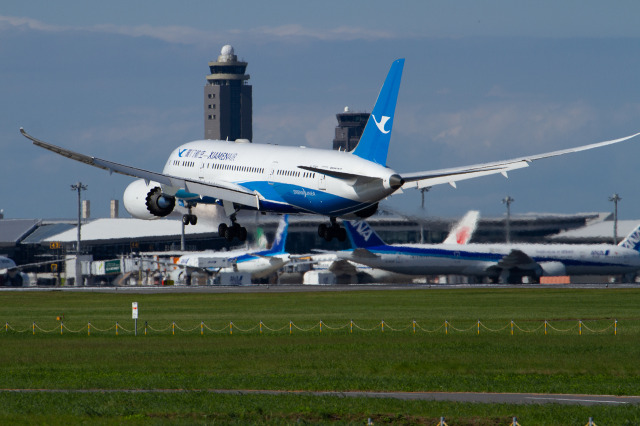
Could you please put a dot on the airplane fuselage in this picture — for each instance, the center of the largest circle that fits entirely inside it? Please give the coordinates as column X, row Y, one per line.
column 286, row 178
column 477, row 259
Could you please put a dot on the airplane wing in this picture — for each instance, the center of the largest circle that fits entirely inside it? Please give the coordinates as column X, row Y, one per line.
column 223, row 190
column 452, row 175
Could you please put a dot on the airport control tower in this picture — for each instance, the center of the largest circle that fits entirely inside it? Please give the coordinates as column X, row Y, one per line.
column 349, row 129
column 227, row 99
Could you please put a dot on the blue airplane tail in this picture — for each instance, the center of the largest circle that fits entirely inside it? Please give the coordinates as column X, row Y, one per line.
column 632, row 240
column 281, row 236
column 362, row 235
column 374, row 143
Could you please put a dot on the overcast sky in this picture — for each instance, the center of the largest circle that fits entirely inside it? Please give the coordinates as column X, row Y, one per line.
column 483, row 80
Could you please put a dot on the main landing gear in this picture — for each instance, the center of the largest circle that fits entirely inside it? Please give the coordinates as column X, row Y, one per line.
column 189, row 219
column 331, row 231
column 233, row 231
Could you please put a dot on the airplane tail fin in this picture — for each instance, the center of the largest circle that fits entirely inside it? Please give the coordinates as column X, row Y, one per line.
column 374, row 142
column 463, row 231
column 281, row 235
column 362, row 235
column 632, row 240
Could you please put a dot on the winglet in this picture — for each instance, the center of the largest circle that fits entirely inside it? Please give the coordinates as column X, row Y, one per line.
column 362, row 235
column 374, row 143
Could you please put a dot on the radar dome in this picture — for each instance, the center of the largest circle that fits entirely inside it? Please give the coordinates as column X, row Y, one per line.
column 227, row 50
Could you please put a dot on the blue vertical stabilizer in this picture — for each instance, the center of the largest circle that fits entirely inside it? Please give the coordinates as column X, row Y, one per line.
column 281, row 235
column 374, row 143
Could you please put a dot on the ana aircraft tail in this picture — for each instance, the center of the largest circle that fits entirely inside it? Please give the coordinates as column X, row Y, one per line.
column 362, row 235
column 281, row 235
column 374, row 143
column 632, row 240
column 463, row 231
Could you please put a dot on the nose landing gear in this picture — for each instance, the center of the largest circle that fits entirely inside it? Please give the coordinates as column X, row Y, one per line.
column 189, row 219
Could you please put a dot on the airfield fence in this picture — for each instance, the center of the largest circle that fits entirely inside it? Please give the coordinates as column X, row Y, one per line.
column 414, row 327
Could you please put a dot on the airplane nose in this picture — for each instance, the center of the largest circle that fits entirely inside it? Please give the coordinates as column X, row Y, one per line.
column 395, row 181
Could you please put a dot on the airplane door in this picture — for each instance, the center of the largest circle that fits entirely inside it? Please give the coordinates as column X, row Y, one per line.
column 272, row 172
column 322, row 183
column 201, row 171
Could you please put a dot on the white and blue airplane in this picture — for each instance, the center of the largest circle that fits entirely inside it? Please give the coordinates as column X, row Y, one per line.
column 505, row 263
column 286, row 179
column 258, row 263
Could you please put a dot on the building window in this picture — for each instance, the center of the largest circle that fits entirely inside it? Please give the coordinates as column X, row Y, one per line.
column 210, row 117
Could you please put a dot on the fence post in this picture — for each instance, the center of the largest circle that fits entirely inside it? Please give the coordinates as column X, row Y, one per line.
column 320, row 326
column 145, row 328
column 290, row 327
column 88, row 329
column 591, row 423
column 230, row 327
column 512, row 327
column 615, row 327
column 545, row 327
column 116, row 328
column 580, row 327
column 173, row 328
column 260, row 326
column 351, row 327
column 202, row 328
column 446, row 327
column 478, row 327
column 442, row 423
column 414, row 326
column 34, row 328
column 382, row 325
column 61, row 328
column 6, row 327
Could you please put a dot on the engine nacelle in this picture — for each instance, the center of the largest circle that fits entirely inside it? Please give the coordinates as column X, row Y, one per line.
column 144, row 201
column 552, row 269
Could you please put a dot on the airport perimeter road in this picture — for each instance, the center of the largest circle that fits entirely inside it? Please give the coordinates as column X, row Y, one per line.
column 473, row 397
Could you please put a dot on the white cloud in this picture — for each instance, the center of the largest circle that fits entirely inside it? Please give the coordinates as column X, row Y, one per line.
column 188, row 35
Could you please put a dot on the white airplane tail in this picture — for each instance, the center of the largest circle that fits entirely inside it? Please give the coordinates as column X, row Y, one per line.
column 463, row 231
column 632, row 240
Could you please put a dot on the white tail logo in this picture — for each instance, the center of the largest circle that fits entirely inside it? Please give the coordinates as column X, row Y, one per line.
column 381, row 123
column 363, row 229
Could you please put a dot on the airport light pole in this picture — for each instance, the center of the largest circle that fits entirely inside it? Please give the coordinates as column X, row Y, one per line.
column 615, row 198
column 78, row 187
column 508, row 200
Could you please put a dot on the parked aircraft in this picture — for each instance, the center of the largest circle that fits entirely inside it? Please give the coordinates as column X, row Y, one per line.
column 285, row 179
column 259, row 263
column 460, row 233
column 507, row 263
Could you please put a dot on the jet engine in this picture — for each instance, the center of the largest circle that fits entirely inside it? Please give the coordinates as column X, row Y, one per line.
column 147, row 201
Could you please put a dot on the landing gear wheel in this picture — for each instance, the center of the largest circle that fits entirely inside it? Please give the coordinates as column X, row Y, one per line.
column 185, row 219
column 222, row 229
column 193, row 219
column 329, row 232
column 242, row 234
column 322, row 230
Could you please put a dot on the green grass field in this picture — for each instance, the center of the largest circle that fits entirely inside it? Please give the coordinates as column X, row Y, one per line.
column 560, row 362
